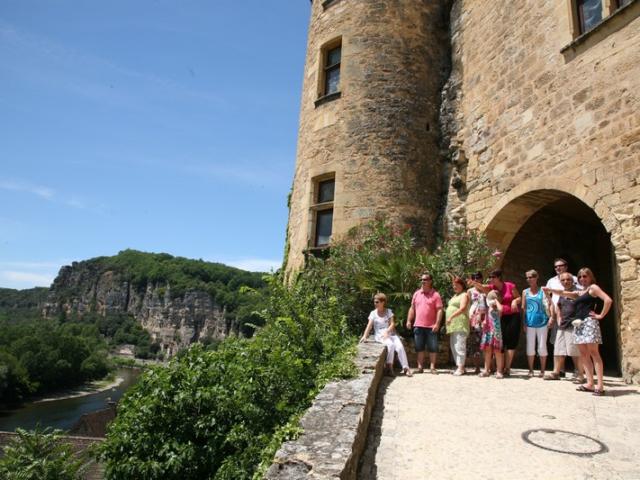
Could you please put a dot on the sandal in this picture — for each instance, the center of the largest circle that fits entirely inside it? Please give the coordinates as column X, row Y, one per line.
column 582, row 388
column 598, row 392
column 407, row 372
column 552, row 376
column 499, row 375
column 484, row 374
column 434, row 371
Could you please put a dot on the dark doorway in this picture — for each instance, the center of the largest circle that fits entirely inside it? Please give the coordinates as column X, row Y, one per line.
column 569, row 229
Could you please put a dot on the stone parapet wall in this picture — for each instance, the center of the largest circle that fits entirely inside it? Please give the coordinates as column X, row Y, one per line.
column 335, row 426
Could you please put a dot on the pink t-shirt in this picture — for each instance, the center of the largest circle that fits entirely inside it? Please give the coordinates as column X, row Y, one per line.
column 426, row 306
column 506, row 293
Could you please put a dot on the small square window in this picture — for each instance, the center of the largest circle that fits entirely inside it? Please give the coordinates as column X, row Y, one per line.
column 326, row 190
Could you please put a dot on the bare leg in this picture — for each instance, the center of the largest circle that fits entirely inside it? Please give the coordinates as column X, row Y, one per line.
column 420, row 359
column 530, row 360
column 432, row 360
column 597, row 363
column 543, row 365
column 586, row 363
column 558, row 363
column 577, row 362
column 488, row 356
column 499, row 362
column 509, row 359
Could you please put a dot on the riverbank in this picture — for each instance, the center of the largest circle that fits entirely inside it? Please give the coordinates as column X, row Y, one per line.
column 81, row 391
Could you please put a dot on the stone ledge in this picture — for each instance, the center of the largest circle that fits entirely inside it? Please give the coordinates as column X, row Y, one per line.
column 335, row 426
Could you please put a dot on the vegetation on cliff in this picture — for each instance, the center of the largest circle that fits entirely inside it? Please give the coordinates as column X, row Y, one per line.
column 222, row 414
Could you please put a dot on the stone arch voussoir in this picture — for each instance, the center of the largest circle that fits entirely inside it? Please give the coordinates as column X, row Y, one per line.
column 510, row 213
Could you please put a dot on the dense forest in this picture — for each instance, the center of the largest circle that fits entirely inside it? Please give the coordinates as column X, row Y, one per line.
column 38, row 355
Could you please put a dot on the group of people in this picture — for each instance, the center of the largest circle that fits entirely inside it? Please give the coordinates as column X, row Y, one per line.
column 484, row 319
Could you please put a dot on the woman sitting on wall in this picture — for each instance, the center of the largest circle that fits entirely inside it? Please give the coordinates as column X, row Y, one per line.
column 458, row 324
column 587, row 333
column 382, row 321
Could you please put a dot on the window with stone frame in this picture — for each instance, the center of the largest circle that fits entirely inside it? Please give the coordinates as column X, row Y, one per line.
column 588, row 14
column 324, row 192
column 329, row 77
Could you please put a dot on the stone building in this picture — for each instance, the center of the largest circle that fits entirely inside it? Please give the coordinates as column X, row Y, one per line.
column 518, row 118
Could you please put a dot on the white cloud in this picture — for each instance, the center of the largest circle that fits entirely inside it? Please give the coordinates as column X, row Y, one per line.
column 255, row 264
column 20, row 280
column 38, row 190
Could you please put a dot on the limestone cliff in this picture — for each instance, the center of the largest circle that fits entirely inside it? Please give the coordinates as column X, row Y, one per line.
column 173, row 320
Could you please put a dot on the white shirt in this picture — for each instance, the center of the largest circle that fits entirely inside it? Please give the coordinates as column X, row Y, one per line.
column 380, row 323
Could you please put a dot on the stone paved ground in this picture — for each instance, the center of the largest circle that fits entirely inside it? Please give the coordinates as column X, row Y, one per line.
column 446, row 427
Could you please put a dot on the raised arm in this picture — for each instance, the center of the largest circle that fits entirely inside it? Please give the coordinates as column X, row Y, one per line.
column 562, row 293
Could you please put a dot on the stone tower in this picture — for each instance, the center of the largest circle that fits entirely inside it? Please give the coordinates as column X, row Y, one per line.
column 368, row 135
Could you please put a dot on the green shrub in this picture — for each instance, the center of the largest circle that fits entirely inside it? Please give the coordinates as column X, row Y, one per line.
column 41, row 455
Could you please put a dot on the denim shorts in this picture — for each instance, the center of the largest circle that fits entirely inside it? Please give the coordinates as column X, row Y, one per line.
column 425, row 337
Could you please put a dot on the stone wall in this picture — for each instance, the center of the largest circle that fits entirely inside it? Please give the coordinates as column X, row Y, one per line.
column 380, row 138
column 335, row 426
column 536, row 118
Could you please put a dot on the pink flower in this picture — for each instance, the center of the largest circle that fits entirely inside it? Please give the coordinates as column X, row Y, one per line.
column 496, row 253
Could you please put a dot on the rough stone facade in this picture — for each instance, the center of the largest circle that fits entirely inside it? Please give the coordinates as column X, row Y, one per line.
column 542, row 127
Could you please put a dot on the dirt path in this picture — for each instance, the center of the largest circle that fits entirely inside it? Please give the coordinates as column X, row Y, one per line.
column 446, row 427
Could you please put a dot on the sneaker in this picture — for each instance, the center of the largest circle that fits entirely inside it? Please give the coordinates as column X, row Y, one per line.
column 407, row 372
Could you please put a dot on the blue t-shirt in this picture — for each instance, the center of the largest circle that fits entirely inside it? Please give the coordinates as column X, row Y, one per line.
column 535, row 316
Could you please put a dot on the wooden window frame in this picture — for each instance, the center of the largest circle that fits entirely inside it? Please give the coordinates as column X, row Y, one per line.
column 322, row 95
column 318, row 207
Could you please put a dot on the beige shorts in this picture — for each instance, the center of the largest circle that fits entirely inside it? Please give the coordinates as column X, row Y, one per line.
column 564, row 345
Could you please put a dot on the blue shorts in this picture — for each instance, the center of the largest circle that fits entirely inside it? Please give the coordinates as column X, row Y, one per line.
column 425, row 337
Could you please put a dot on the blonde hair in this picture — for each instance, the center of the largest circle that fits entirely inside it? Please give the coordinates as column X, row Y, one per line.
column 532, row 273
column 587, row 271
column 380, row 296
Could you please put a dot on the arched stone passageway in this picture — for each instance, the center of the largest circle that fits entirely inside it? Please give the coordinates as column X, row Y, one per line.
column 537, row 226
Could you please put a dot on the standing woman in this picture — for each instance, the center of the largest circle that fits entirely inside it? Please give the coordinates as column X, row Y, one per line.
column 535, row 321
column 510, row 319
column 458, row 324
column 382, row 321
column 477, row 313
column 587, row 333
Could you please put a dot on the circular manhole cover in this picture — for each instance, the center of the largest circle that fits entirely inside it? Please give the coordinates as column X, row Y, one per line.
column 561, row 441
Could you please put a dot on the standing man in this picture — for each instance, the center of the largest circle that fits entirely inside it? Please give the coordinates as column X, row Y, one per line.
column 563, row 346
column 427, row 311
column 560, row 266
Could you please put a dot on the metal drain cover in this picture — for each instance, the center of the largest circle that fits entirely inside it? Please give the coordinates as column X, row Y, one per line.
column 561, row 441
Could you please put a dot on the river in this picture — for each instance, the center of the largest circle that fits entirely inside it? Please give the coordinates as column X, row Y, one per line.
column 65, row 413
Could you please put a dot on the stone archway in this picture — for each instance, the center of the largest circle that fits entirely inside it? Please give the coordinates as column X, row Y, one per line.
column 535, row 223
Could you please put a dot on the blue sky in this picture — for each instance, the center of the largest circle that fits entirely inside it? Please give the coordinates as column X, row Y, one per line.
column 163, row 126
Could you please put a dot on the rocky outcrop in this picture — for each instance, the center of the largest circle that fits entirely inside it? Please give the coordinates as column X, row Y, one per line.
column 173, row 321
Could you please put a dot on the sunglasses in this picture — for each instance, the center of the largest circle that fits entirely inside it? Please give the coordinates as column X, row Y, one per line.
column 492, row 276
column 476, row 277
column 378, row 301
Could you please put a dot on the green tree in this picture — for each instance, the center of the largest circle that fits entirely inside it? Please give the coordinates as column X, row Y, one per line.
column 40, row 455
